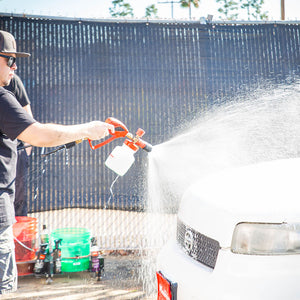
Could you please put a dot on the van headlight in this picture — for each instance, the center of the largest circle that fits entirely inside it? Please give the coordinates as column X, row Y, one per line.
column 266, row 238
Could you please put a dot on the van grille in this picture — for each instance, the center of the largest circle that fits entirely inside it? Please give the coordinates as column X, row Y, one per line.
column 198, row 246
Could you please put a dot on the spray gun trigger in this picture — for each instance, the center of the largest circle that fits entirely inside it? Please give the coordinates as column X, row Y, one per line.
column 119, row 129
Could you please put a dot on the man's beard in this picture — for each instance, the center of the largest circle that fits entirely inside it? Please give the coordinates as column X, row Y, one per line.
column 5, row 82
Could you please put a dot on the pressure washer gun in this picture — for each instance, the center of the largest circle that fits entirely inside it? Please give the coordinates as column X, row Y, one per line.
column 122, row 157
column 122, row 131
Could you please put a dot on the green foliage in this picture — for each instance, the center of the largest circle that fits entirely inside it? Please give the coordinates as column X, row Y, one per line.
column 120, row 9
column 151, row 11
column 254, row 9
column 230, row 9
column 187, row 3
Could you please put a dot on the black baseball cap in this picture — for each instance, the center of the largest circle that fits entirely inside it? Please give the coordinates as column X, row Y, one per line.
column 8, row 44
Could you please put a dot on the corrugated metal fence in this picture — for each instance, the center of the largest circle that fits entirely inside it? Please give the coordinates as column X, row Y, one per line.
column 153, row 75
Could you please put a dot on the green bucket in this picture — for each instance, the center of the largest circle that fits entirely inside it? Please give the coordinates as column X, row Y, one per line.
column 75, row 248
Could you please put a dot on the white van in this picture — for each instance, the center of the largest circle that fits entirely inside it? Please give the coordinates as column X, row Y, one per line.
column 238, row 237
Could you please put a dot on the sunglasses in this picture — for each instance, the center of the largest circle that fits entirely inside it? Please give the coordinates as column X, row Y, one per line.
column 10, row 60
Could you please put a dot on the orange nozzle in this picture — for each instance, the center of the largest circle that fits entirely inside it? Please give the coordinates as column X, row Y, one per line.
column 122, row 131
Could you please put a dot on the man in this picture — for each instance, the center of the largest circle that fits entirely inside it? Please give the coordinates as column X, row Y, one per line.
column 16, row 86
column 16, row 123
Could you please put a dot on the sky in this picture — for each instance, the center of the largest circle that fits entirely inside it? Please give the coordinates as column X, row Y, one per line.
column 99, row 9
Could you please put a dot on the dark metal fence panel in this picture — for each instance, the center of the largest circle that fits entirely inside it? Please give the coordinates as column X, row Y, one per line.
column 152, row 75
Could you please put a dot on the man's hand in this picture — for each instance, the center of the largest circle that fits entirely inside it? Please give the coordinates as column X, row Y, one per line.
column 99, row 130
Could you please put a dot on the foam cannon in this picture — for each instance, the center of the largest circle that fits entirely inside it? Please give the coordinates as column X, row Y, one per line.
column 122, row 157
column 122, row 131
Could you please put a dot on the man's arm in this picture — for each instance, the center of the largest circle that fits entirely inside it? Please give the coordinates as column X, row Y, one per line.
column 28, row 109
column 51, row 135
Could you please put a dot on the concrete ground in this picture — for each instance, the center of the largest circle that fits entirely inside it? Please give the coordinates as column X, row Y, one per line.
column 124, row 276
column 121, row 280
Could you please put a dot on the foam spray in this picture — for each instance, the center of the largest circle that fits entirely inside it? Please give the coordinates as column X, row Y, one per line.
column 264, row 126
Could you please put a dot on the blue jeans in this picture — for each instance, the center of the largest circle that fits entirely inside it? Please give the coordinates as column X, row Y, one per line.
column 8, row 267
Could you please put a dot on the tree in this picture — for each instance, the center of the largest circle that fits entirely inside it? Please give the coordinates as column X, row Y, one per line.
column 120, row 9
column 227, row 9
column 230, row 9
column 254, row 9
column 151, row 11
column 188, row 3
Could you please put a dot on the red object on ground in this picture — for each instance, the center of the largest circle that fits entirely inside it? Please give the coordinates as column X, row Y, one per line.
column 25, row 234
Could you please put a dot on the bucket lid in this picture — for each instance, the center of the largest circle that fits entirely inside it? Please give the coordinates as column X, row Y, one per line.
column 71, row 233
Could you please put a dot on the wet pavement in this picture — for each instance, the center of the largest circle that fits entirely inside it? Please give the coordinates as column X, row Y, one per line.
column 121, row 280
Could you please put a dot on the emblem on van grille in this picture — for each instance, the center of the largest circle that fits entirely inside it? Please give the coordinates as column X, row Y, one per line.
column 198, row 246
column 188, row 240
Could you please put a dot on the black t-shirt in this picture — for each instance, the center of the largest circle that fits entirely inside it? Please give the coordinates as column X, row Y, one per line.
column 13, row 120
column 17, row 88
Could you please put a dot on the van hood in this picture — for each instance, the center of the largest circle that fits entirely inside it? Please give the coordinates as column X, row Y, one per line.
column 267, row 192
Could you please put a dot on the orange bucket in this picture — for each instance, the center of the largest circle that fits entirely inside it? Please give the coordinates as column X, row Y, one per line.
column 25, row 235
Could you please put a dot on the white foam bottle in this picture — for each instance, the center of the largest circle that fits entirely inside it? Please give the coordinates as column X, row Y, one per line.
column 121, row 158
